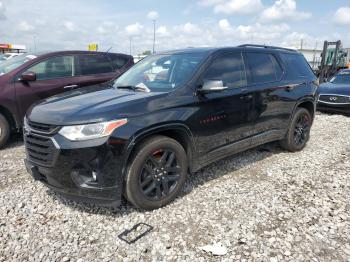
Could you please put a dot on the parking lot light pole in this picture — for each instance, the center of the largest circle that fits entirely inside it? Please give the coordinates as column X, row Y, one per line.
column 154, row 35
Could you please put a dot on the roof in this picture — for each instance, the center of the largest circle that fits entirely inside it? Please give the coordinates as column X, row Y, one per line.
column 69, row 52
column 209, row 50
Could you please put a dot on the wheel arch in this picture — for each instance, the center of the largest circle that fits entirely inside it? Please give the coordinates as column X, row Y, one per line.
column 9, row 116
column 308, row 104
column 179, row 132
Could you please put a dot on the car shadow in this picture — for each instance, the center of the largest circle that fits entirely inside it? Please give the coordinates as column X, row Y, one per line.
column 16, row 140
column 209, row 173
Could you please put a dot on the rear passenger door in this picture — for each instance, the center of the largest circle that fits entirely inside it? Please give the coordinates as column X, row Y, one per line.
column 272, row 102
column 93, row 69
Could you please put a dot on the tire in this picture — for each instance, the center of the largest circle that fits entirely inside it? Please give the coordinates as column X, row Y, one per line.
column 5, row 131
column 299, row 131
column 149, row 187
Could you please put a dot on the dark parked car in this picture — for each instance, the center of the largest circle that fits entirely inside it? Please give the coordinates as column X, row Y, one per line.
column 29, row 78
column 171, row 113
column 334, row 96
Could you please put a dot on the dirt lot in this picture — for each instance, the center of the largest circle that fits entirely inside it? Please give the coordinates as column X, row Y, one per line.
column 264, row 204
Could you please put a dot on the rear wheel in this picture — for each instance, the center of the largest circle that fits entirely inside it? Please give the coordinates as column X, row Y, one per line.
column 299, row 131
column 156, row 173
column 4, row 131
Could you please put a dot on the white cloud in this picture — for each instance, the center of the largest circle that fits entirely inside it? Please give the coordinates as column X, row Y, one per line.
column 134, row 29
column 25, row 26
column 69, row 25
column 162, row 31
column 283, row 10
column 190, row 28
column 153, row 15
column 224, row 24
column 2, row 11
column 342, row 16
column 234, row 6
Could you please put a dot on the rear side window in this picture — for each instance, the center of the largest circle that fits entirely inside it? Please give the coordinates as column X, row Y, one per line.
column 263, row 68
column 55, row 67
column 229, row 68
column 94, row 64
column 296, row 66
column 118, row 61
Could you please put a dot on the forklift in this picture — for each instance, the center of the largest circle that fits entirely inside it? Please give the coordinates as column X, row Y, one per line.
column 332, row 60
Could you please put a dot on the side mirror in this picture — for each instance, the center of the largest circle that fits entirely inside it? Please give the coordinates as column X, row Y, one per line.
column 28, row 76
column 211, row 86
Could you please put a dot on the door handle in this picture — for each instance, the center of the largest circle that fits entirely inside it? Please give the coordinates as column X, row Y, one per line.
column 246, row 98
column 70, row 86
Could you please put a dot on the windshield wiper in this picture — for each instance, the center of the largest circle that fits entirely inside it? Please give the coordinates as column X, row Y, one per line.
column 135, row 88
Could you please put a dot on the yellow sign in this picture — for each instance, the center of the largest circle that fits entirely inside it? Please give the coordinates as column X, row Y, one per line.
column 93, row 47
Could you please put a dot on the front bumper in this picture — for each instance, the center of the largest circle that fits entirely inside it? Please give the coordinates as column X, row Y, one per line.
column 87, row 172
column 336, row 108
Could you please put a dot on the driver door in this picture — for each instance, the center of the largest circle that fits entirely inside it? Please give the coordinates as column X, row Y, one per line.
column 224, row 120
column 53, row 76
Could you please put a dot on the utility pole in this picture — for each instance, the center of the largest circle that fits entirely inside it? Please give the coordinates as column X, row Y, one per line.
column 301, row 44
column 130, row 45
column 154, row 35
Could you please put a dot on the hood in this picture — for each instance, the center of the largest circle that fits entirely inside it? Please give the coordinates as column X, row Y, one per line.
column 334, row 89
column 90, row 105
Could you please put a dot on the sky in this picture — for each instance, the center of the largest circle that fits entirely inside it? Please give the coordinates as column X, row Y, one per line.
column 113, row 24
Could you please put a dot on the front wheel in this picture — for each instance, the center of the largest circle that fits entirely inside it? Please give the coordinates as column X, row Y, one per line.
column 4, row 131
column 299, row 132
column 157, row 173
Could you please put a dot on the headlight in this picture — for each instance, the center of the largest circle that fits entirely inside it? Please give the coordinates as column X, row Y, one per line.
column 91, row 131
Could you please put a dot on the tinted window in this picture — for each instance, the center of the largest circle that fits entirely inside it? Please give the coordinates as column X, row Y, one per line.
column 263, row 68
column 296, row 66
column 229, row 68
column 94, row 64
column 55, row 67
column 118, row 61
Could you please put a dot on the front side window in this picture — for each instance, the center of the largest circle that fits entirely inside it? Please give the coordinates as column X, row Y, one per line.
column 55, row 67
column 94, row 64
column 228, row 68
column 161, row 73
column 263, row 68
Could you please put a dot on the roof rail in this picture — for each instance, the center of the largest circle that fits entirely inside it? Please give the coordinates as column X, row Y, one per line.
column 267, row 46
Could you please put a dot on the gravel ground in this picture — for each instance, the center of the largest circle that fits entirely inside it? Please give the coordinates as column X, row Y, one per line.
column 264, row 204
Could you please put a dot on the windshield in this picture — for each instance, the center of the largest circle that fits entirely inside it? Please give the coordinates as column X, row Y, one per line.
column 161, row 73
column 341, row 78
column 14, row 63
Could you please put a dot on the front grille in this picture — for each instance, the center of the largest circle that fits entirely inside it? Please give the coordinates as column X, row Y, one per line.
column 42, row 128
column 335, row 99
column 40, row 150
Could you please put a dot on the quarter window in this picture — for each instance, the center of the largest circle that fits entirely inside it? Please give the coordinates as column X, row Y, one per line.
column 55, row 67
column 228, row 68
column 94, row 64
column 263, row 67
column 118, row 61
column 297, row 66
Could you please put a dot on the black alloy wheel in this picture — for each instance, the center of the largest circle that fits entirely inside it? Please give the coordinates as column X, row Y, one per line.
column 156, row 173
column 299, row 131
column 160, row 174
column 302, row 129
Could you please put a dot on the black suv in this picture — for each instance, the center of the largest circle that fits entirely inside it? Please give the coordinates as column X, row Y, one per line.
column 172, row 113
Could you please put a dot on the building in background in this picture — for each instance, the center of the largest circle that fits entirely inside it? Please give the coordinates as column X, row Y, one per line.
column 312, row 56
column 12, row 48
